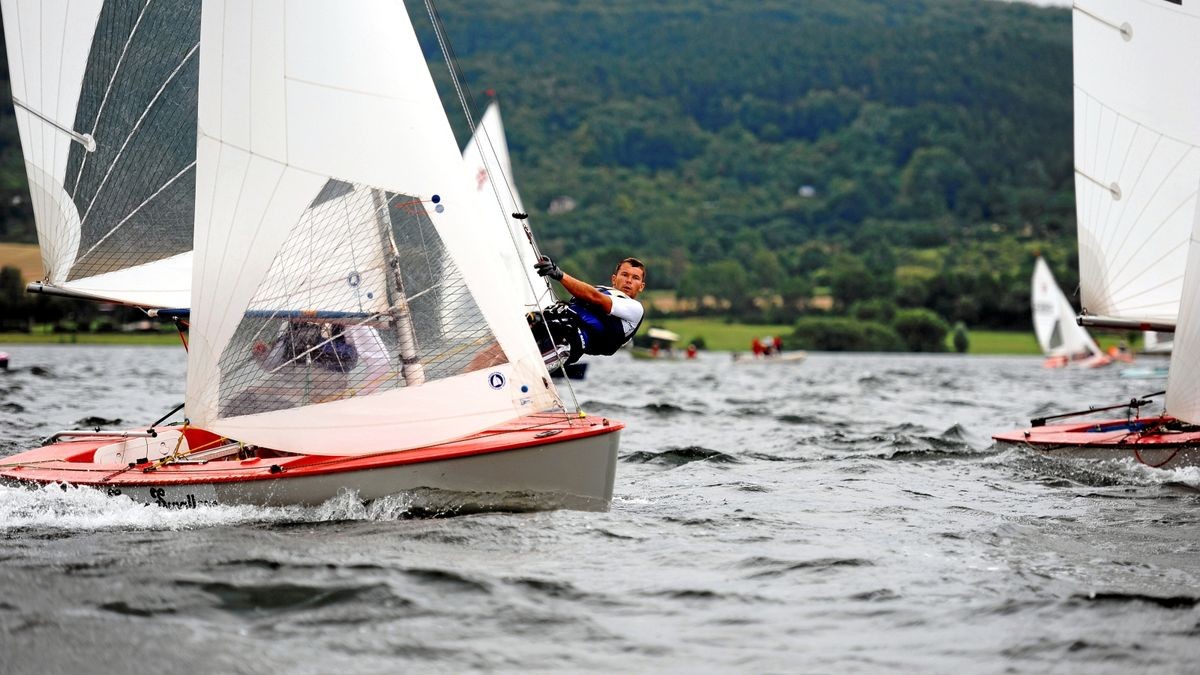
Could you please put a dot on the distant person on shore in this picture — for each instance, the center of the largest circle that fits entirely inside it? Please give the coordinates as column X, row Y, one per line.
column 597, row 320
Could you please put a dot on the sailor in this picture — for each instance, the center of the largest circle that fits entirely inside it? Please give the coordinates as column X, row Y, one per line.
column 597, row 320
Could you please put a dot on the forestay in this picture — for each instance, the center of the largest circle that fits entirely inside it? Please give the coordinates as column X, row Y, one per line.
column 105, row 99
column 1054, row 323
column 1136, row 159
column 489, row 168
column 334, row 226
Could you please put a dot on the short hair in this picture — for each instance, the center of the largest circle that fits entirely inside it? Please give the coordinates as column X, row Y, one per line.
column 632, row 262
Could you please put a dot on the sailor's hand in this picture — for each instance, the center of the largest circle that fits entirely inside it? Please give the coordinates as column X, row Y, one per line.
column 546, row 268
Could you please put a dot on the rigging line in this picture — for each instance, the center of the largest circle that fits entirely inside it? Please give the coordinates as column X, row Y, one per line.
column 463, row 94
column 132, row 213
column 467, row 101
column 136, row 127
column 108, row 89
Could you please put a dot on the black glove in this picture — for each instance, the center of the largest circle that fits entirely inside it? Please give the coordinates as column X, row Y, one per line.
column 546, row 268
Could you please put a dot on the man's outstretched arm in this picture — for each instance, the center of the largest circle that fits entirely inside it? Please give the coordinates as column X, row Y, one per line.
column 580, row 289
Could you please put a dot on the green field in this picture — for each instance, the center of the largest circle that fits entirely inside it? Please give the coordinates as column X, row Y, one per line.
column 718, row 336
column 1002, row 342
column 91, row 338
column 721, row 336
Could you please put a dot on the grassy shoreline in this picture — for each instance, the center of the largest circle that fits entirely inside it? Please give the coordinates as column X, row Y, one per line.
column 137, row 339
column 722, row 336
column 718, row 336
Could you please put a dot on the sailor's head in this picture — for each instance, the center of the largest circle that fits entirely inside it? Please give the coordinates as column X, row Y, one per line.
column 630, row 277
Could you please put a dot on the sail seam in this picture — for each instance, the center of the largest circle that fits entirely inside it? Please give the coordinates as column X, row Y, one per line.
column 1150, row 200
column 132, row 213
column 108, row 89
column 136, row 128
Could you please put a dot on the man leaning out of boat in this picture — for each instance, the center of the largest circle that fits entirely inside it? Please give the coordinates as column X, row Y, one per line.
column 596, row 320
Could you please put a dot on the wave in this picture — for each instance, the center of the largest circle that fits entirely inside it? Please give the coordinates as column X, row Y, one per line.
column 679, row 456
column 59, row 510
column 1164, row 601
column 774, row 567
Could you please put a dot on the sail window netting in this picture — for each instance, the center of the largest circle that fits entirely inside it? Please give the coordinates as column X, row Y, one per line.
column 362, row 298
column 135, row 194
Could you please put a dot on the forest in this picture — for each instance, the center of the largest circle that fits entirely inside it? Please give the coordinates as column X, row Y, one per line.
column 772, row 160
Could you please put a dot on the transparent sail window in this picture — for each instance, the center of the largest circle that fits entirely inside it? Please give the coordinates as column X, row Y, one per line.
column 362, row 298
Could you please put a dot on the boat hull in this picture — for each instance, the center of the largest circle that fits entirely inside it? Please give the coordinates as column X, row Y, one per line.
column 547, row 462
column 1159, row 442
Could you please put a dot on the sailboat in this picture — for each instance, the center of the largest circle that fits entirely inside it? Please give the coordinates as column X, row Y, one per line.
column 352, row 329
column 489, row 168
column 1063, row 341
column 1137, row 174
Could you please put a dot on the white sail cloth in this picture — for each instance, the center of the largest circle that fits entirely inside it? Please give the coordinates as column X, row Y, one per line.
column 1136, row 153
column 1054, row 323
column 296, row 97
column 98, row 88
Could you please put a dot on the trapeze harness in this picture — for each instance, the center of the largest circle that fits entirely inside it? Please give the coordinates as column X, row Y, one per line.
column 584, row 327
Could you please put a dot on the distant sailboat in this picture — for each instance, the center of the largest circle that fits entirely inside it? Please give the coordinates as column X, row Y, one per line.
column 334, row 227
column 1137, row 174
column 1063, row 341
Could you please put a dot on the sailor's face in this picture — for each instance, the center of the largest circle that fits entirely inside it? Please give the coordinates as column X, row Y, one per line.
column 629, row 280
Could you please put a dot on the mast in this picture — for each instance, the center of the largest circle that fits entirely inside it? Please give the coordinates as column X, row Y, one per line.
column 406, row 334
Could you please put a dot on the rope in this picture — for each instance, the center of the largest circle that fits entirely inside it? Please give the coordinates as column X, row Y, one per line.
column 466, row 100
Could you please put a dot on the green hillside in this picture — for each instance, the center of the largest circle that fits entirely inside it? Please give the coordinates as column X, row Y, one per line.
column 914, row 152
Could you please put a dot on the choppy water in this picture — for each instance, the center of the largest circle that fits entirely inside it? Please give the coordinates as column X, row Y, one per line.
column 849, row 514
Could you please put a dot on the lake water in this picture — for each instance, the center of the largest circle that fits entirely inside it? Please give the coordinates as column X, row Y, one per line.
column 846, row 515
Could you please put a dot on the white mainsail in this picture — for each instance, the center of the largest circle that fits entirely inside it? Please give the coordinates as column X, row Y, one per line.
column 489, row 168
column 105, row 99
column 1137, row 153
column 1054, row 323
column 331, row 197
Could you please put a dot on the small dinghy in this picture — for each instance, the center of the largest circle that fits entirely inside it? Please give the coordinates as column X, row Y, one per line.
column 1137, row 168
column 1159, row 442
column 356, row 316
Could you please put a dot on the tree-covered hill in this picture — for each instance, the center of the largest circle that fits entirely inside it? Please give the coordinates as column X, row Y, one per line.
column 916, row 152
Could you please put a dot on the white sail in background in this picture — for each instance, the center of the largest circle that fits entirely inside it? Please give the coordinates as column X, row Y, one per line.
column 1137, row 152
column 1154, row 343
column 1054, row 323
column 1183, row 378
column 489, row 168
column 331, row 198
column 105, row 99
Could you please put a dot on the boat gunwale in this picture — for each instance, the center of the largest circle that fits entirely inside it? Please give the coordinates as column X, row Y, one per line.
column 50, row 471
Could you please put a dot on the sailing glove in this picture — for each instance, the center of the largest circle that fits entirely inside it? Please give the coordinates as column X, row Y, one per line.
column 546, row 268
